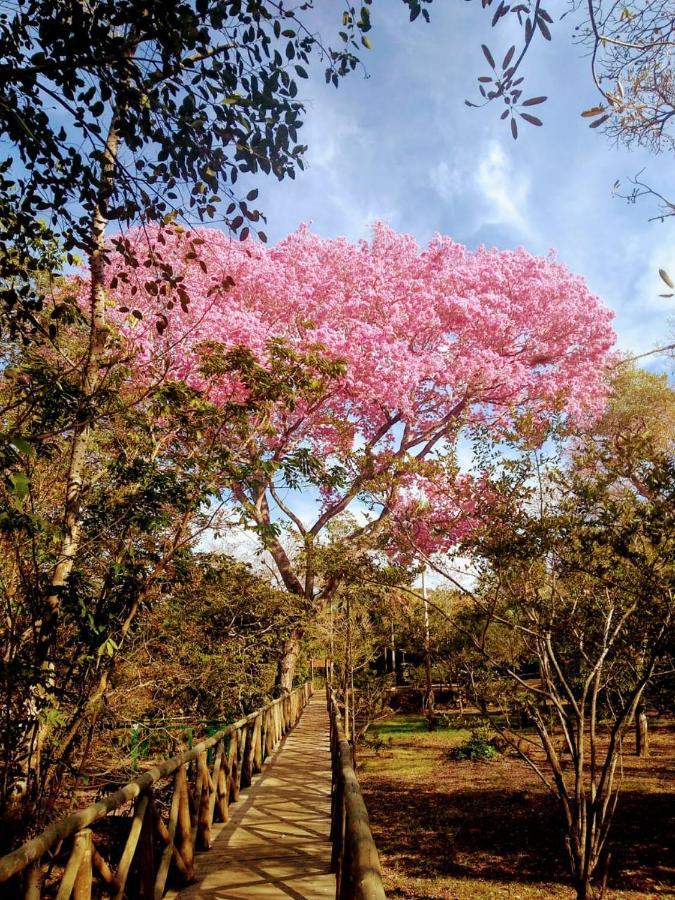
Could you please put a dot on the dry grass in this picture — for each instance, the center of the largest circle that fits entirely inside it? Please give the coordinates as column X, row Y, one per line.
column 462, row 830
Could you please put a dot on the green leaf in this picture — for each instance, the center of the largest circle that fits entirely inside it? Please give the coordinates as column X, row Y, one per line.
column 23, row 446
column 20, row 484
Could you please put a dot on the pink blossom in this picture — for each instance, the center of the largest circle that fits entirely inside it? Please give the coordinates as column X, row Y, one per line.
column 433, row 337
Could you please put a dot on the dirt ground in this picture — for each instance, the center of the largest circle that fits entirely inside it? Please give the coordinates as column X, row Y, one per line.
column 464, row 830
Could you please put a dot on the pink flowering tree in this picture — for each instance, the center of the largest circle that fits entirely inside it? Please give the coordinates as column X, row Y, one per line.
column 430, row 341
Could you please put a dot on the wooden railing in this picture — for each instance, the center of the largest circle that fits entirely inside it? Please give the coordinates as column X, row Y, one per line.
column 198, row 795
column 354, row 860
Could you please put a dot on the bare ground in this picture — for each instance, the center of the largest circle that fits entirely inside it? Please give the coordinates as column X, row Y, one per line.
column 462, row 830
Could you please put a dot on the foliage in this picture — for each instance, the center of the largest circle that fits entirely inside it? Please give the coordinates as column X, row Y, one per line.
column 479, row 746
column 147, row 111
column 631, row 67
column 570, row 622
column 207, row 651
column 423, row 342
column 630, row 49
column 162, row 457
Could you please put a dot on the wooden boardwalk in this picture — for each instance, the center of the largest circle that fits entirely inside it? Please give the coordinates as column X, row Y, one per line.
column 276, row 843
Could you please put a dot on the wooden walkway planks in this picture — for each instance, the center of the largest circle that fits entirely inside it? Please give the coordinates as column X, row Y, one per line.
column 276, row 843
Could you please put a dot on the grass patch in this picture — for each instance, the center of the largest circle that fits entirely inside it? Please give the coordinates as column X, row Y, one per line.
column 403, row 748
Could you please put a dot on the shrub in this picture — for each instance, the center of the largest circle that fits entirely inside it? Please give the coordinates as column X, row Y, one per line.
column 479, row 746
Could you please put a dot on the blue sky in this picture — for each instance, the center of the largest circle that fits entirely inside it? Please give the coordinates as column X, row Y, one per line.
column 401, row 146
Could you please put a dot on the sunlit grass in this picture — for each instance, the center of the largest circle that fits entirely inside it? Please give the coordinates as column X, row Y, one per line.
column 403, row 747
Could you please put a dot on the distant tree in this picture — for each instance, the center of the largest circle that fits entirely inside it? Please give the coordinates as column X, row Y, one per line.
column 626, row 446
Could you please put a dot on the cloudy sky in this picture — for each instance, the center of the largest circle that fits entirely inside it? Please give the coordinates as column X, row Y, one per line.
column 401, row 146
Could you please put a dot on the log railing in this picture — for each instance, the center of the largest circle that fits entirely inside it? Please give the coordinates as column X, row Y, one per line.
column 200, row 783
column 354, row 859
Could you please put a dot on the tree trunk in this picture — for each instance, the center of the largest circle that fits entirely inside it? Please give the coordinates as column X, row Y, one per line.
column 98, row 335
column 428, row 701
column 641, row 732
column 584, row 892
column 47, row 632
column 289, row 659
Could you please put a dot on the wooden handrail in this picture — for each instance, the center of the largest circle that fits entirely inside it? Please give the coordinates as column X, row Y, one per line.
column 355, row 860
column 200, row 793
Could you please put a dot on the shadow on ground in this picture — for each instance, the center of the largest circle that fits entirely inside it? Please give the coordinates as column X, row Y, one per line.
column 446, row 827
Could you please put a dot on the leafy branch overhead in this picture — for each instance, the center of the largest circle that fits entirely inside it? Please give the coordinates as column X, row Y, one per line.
column 193, row 95
column 631, row 66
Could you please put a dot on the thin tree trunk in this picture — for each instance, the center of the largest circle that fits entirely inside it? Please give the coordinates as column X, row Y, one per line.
column 641, row 731
column 289, row 659
column 98, row 335
column 47, row 632
column 428, row 702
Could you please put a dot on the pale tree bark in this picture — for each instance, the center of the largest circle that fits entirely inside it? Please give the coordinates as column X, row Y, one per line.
column 641, row 731
column 289, row 659
column 89, row 382
column 47, row 632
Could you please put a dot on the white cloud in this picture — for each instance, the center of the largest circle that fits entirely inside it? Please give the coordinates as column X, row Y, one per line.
column 504, row 190
column 447, row 181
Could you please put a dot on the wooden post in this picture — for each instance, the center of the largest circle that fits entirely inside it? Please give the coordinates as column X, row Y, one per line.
column 130, row 846
column 214, row 802
column 222, row 794
column 233, row 766
column 32, row 889
column 159, row 882
column 104, row 870
column 269, row 733
column 184, row 824
column 258, row 745
column 146, row 858
column 83, row 879
column 80, row 846
column 247, row 757
column 203, row 799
